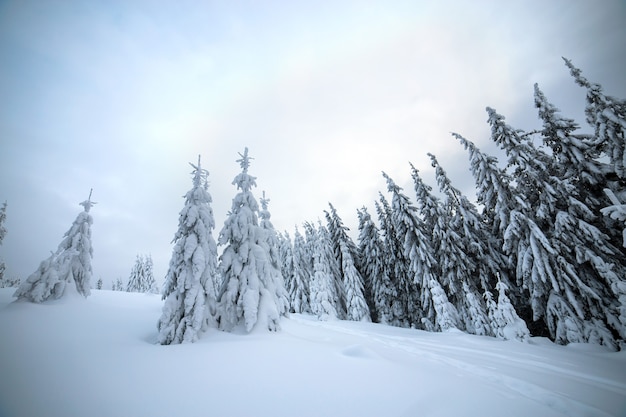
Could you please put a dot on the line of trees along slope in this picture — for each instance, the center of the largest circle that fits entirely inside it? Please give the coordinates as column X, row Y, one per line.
column 542, row 252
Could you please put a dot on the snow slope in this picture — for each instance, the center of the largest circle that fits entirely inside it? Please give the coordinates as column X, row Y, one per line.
column 97, row 357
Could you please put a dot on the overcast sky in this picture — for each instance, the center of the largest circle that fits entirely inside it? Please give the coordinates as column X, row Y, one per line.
column 119, row 96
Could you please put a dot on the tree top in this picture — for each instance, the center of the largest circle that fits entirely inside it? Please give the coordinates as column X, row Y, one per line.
column 88, row 204
column 244, row 162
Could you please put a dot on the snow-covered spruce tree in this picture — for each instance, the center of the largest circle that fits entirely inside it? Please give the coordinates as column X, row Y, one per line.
column 372, row 253
column 249, row 297
column 285, row 251
column 434, row 224
column 99, row 284
column 495, row 194
column 322, row 293
column 141, row 277
column 430, row 307
column 577, row 231
column 299, row 289
column 276, row 281
column 503, row 318
column 475, row 265
column 607, row 116
column 334, row 269
column 189, row 290
column 135, row 280
column 564, row 256
column 345, row 252
column 69, row 265
column 150, row 284
column 332, row 264
column 395, row 266
column 118, row 285
column 3, row 233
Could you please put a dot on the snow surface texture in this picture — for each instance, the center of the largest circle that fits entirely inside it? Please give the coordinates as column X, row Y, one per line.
column 98, row 357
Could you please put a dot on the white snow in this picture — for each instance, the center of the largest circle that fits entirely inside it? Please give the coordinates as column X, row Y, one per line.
column 98, row 357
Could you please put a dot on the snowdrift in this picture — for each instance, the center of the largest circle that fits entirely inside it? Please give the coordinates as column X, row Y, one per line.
column 97, row 357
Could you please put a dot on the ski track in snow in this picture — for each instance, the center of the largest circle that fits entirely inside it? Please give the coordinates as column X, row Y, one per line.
column 432, row 351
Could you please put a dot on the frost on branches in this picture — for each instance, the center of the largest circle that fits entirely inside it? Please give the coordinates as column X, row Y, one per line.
column 190, row 284
column 251, row 292
column 69, row 265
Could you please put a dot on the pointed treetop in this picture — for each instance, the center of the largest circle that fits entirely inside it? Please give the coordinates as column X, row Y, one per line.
column 577, row 74
column 264, row 201
column 391, row 185
column 442, row 178
column 87, row 204
column 245, row 160
column 199, row 175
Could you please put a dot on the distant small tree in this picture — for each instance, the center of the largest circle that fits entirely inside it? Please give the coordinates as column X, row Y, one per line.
column 99, row 284
column 141, row 277
column 70, row 264
column 117, row 285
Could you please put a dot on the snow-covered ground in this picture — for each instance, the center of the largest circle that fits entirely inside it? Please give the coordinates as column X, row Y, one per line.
column 97, row 357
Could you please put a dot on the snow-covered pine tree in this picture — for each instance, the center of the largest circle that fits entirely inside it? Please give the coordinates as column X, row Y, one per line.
column 285, row 251
column 577, row 234
column 372, row 253
column 141, row 278
column 189, row 290
column 607, row 116
column 117, row 285
column 308, row 249
column 135, row 280
column 434, row 222
column 70, row 264
column 333, row 266
column 395, row 265
column 99, row 284
column 345, row 252
column 247, row 298
column 299, row 289
column 495, row 194
column 503, row 318
column 150, row 285
column 334, row 269
column 322, row 292
column 276, row 281
column 469, row 257
column 430, row 308
column 566, row 260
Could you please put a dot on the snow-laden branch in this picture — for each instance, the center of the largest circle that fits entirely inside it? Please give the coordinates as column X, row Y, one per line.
column 617, row 211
